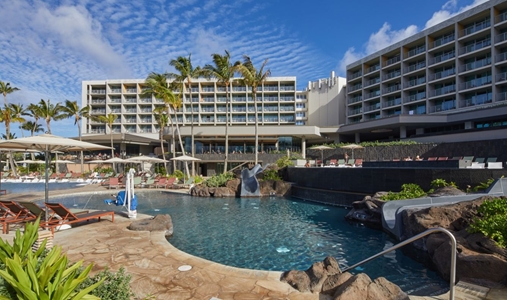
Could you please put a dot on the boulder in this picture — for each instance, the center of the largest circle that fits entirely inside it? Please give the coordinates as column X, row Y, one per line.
column 234, row 185
column 446, row 191
column 326, row 278
column 157, row 223
column 367, row 211
column 479, row 259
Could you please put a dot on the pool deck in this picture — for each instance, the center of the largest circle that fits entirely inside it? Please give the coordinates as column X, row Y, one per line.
column 153, row 263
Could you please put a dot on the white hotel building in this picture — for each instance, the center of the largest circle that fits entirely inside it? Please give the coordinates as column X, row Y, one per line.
column 446, row 83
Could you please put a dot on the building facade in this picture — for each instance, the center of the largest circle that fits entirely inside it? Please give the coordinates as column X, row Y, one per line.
column 446, row 83
column 283, row 113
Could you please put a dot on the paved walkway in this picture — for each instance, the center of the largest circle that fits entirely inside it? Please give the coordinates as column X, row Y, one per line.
column 154, row 264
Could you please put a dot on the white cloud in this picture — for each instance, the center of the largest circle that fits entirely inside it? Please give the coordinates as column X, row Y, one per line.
column 450, row 9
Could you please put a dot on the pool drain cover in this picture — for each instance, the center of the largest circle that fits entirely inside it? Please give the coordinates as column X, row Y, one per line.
column 185, row 268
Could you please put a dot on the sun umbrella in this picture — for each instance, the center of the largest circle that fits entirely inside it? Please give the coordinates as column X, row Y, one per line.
column 113, row 161
column 185, row 158
column 142, row 159
column 321, row 148
column 48, row 143
column 352, row 147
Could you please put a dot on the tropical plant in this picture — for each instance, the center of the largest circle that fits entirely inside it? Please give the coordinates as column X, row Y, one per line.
column 72, row 110
column 115, row 286
column 483, row 185
column 8, row 115
column 408, row 191
column 50, row 112
column 223, row 70
column 284, row 161
column 218, row 180
column 187, row 72
column 109, row 120
column 156, row 85
column 271, row 174
column 254, row 78
column 178, row 174
column 41, row 274
column 439, row 182
column 6, row 88
column 32, row 127
column 492, row 220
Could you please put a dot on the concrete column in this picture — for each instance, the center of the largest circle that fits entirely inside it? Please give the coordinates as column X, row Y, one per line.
column 357, row 138
column 276, row 146
column 303, row 147
column 403, row 132
column 262, row 146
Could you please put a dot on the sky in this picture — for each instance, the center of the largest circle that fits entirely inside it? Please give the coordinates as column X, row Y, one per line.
column 47, row 48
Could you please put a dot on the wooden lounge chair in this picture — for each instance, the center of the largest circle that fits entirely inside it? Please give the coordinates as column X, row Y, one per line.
column 341, row 162
column 359, row 162
column 65, row 216
column 37, row 210
column 442, row 158
column 432, row 158
column 113, row 183
column 186, row 184
column 14, row 213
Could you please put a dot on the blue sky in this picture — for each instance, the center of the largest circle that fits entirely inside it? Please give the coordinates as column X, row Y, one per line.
column 48, row 47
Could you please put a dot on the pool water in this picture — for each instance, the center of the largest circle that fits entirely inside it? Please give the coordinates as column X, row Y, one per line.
column 28, row 187
column 277, row 234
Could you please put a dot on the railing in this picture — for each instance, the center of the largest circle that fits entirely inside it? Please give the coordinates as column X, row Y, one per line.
column 474, row 28
column 415, row 51
column 131, row 90
column 392, row 88
column 392, row 102
column 114, row 100
column 98, row 91
column 452, row 278
column 475, row 83
column 372, row 95
column 443, row 90
column 208, row 89
column 501, row 37
column 392, row 60
column 115, row 91
column 355, row 75
column 415, row 82
column 355, row 87
column 372, row 107
column 287, row 88
column 443, row 57
column 355, row 99
column 415, row 67
column 501, row 57
column 272, row 88
column 355, row 111
column 392, row 74
column 501, row 17
column 416, row 97
column 372, row 81
column 501, row 76
column 476, row 46
column 476, row 64
column 373, row 68
column 443, row 40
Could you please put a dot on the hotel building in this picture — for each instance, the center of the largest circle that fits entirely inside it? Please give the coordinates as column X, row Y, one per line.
column 446, row 83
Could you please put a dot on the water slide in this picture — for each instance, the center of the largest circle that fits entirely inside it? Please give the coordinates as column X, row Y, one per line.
column 249, row 185
column 391, row 211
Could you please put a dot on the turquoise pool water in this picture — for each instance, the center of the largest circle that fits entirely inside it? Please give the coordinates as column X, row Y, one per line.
column 21, row 187
column 275, row 234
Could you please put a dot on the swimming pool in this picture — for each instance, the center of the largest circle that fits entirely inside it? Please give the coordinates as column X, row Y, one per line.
column 28, row 187
column 274, row 234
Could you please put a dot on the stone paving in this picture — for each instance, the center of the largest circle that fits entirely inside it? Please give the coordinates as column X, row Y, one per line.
column 154, row 264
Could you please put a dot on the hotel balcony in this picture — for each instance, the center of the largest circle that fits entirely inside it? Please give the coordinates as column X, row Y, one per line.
column 475, row 65
column 474, row 47
column 355, row 99
column 443, row 90
column 393, row 102
column 474, row 28
column 442, row 58
column 474, row 83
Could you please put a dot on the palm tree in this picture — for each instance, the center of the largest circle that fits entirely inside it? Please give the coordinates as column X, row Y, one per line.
column 156, row 84
column 253, row 78
column 32, row 127
column 223, row 71
column 8, row 115
column 71, row 110
column 162, row 120
column 19, row 111
column 50, row 112
column 5, row 88
column 186, row 73
column 109, row 120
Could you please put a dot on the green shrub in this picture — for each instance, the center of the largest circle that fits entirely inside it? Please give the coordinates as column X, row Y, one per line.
column 439, row 182
column 283, row 162
column 271, row 174
column 178, row 174
column 408, row 191
column 198, row 179
column 115, row 286
column 483, row 185
column 37, row 275
column 218, row 180
column 492, row 221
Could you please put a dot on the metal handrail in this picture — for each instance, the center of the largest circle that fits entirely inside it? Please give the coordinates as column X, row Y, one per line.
column 414, row 238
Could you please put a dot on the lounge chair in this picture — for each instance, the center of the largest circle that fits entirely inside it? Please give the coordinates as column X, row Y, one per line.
column 14, row 213
column 491, row 163
column 333, row 162
column 341, row 162
column 113, row 183
column 37, row 210
column 432, row 158
column 442, row 158
column 470, row 158
column 351, row 162
column 68, row 217
column 148, row 183
column 186, row 184
column 359, row 162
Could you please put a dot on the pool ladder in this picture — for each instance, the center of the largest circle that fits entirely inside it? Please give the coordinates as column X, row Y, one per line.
column 414, row 238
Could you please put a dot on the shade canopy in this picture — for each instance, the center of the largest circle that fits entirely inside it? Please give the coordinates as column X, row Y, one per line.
column 146, row 159
column 108, row 161
column 49, row 143
column 185, row 158
column 29, row 161
column 352, row 147
column 321, row 147
column 62, row 161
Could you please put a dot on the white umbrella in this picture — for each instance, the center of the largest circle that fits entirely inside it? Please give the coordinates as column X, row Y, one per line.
column 321, row 148
column 142, row 159
column 352, row 147
column 185, row 158
column 48, row 143
column 29, row 161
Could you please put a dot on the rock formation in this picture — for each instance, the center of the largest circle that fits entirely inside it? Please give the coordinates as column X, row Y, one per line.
column 157, row 223
column 233, row 189
column 325, row 277
column 479, row 259
column 368, row 211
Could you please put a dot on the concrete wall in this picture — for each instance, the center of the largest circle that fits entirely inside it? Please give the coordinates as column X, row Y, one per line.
column 353, row 183
column 489, row 148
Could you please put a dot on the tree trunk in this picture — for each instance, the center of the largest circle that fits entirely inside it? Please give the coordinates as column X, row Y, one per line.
column 173, row 150
column 254, row 94
column 192, row 127
column 49, row 126
column 226, row 126
column 181, row 143
column 11, row 158
column 161, row 132
column 81, row 152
